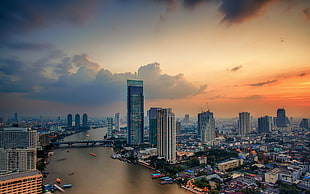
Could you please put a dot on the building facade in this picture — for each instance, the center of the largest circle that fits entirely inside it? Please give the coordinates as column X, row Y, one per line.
column 229, row 164
column 110, row 127
column 244, row 123
column 29, row 182
column 264, row 124
column 14, row 137
column 69, row 121
column 152, row 114
column 281, row 120
column 166, row 130
column 117, row 121
column 19, row 160
column 85, row 121
column 304, row 123
column 206, row 127
column 77, row 121
column 135, row 112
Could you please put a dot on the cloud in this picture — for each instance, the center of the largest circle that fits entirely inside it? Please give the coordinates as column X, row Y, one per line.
column 19, row 17
column 27, row 46
column 192, row 3
column 302, row 74
column 251, row 97
column 258, row 84
column 238, row 11
column 78, row 80
column 306, row 12
column 236, row 68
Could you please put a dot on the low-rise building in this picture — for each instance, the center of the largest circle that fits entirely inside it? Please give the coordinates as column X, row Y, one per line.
column 229, row 164
column 272, row 176
column 29, row 182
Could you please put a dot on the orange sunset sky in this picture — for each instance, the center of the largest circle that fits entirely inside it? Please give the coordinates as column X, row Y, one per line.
column 229, row 56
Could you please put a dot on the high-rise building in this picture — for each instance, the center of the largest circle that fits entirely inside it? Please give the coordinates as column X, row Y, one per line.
column 15, row 118
column 281, row 118
column 69, row 121
column 14, row 137
column 304, row 124
column 206, row 127
column 24, row 182
column 264, row 124
column 244, row 123
column 186, row 118
column 77, row 121
column 85, row 121
column 152, row 114
column 166, row 129
column 117, row 121
column 135, row 112
column 110, row 127
column 17, row 160
column 178, row 127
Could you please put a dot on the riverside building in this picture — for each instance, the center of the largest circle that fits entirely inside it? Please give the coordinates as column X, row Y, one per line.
column 135, row 112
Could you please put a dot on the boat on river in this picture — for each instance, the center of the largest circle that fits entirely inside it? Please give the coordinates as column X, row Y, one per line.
column 93, row 154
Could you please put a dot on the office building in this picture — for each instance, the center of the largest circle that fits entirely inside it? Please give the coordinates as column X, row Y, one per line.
column 15, row 118
column 264, row 124
column 17, row 160
column 110, row 127
column 186, row 118
column 85, row 121
column 206, row 127
column 166, row 130
column 14, row 137
column 152, row 114
column 69, row 121
column 29, row 182
column 281, row 120
column 117, row 121
column 77, row 121
column 304, row 124
column 135, row 112
column 244, row 123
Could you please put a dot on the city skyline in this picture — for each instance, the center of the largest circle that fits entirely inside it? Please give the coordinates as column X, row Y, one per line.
column 65, row 56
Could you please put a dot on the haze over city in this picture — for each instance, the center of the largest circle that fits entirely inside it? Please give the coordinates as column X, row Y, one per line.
column 229, row 56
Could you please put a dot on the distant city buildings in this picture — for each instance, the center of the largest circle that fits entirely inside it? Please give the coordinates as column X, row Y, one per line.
column 69, row 121
column 166, row 129
column 244, row 123
column 77, row 121
column 117, row 121
column 110, row 127
column 85, row 121
column 206, row 127
column 304, row 124
column 281, row 119
column 135, row 112
column 186, row 118
column 264, row 124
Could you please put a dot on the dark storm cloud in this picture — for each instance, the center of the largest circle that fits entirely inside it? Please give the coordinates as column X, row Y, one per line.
column 28, row 46
column 236, row 68
column 192, row 3
column 258, row 84
column 18, row 16
column 80, row 81
column 239, row 10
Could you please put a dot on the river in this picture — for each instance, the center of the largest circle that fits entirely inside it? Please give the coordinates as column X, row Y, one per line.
column 101, row 174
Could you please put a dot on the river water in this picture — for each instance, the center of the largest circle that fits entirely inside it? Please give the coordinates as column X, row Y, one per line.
column 101, row 174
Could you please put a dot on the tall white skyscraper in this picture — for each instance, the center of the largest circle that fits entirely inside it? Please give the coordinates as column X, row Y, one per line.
column 244, row 123
column 166, row 138
column 206, row 127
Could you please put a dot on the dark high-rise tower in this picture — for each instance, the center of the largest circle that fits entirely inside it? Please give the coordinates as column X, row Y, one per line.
column 85, row 121
column 304, row 123
column 135, row 111
column 69, row 121
column 77, row 121
column 264, row 124
column 281, row 118
column 152, row 114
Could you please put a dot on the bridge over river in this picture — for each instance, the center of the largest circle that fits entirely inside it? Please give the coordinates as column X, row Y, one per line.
column 84, row 143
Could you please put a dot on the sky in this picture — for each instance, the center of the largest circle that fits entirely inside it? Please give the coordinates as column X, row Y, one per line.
column 74, row 56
